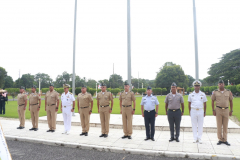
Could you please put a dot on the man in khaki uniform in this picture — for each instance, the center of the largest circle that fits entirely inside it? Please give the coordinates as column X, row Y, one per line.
column 34, row 107
column 126, row 98
column 222, row 97
column 51, row 106
column 22, row 103
column 84, row 99
column 103, row 99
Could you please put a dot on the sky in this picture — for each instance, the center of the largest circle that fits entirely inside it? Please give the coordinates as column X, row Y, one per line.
column 37, row 36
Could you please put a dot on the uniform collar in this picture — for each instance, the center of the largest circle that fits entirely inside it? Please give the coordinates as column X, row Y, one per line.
column 196, row 93
column 83, row 93
column 221, row 91
column 67, row 93
column 149, row 96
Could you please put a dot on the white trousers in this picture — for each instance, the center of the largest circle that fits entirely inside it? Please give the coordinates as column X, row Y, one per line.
column 67, row 117
column 197, row 117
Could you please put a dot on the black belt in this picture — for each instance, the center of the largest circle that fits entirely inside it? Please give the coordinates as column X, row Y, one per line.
column 173, row 110
column 84, row 107
column 104, row 106
column 127, row 106
column 21, row 104
column 34, row 104
column 149, row 111
column 51, row 104
column 223, row 107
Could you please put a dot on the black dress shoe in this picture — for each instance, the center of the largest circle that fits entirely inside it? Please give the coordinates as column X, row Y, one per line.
column 31, row 129
column 152, row 139
column 102, row 135
column 124, row 137
column 129, row 137
column 146, row 139
column 228, row 144
column 18, row 127
column 22, row 127
column 177, row 140
column 35, row 129
column 105, row 135
column 86, row 134
column 171, row 139
column 52, row 130
column 219, row 142
column 49, row 130
column 82, row 134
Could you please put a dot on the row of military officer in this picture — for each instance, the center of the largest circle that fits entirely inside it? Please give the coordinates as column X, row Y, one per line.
column 197, row 108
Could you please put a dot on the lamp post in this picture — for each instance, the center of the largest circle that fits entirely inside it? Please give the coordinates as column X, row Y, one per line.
column 39, row 85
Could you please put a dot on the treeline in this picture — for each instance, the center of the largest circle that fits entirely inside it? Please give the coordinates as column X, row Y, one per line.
column 235, row 89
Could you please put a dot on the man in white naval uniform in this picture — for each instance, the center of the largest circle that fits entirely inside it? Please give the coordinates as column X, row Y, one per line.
column 67, row 107
column 197, row 110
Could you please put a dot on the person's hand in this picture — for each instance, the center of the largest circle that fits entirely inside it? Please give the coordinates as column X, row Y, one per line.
column 156, row 114
column 71, row 110
column 230, row 113
column 182, row 113
column 204, row 114
column 166, row 113
column 143, row 115
column 121, row 112
column 110, row 111
column 29, row 108
column 90, row 112
column 214, row 113
column 133, row 112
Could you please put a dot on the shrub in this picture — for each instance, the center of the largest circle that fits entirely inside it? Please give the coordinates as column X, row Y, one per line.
column 115, row 91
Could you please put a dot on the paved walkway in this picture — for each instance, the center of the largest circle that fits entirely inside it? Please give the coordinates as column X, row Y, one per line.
column 114, row 143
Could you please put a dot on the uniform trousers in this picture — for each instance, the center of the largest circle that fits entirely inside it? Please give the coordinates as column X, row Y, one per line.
column 197, row 118
column 85, row 118
column 127, row 120
column 2, row 108
column 21, row 114
column 174, row 119
column 222, row 116
column 34, row 115
column 149, row 118
column 104, row 118
column 51, row 116
column 67, row 117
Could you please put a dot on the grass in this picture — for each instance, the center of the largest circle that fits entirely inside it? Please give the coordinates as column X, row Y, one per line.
column 11, row 107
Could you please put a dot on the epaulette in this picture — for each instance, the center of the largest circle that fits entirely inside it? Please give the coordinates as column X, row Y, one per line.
column 122, row 92
column 228, row 90
column 215, row 90
column 63, row 92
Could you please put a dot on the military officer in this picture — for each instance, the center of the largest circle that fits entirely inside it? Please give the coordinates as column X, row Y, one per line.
column 148, row 103
column 126, row 99
column 222, row 97
column 34, row 107
column 3, row 99
column 84, row 99
column 104, row 110
column 172, row 106
column 197, row 110
column 51, row 106
column 22, row 103
column 67, row 107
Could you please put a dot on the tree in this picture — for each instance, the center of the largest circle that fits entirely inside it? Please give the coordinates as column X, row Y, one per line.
column 164, row 90
column 104, row 81
column 171, row 73
column 116, row 81
column 91, row 83
column 3, row 74
column 45, row 79
column 8, row 82
column 115, row 91
column 134, row 90
column 141, row 90
column 27, row 80
column 62, row 79
column 191, row 80
column 228, row 69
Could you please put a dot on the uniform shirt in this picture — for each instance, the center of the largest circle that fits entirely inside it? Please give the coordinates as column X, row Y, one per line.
column 67, row 99
column 222, row 99
column 3, row 99
column 21, row 98
column 127, row 98
column 84, row 99
column 52, row 97
column 174, row 101
column 197, row 99
column 104, row 98
column 149, row 102
column 33, row 98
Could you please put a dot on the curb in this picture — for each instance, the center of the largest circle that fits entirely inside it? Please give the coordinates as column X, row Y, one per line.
column 127, row 150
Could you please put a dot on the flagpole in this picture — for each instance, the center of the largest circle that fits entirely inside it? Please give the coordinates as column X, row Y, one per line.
column 196, row 43
column 129, row 43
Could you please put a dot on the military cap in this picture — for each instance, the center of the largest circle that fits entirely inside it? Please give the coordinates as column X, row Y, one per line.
column 197, row 83
column 2, row 91
column 84, row 86
column 103, row 84
column 174, row 84
column 22, row 87
column 51, row 84
column 66, row 86
column 126, row 83
column 220, row 81
column 149, row 87
column 33, row 86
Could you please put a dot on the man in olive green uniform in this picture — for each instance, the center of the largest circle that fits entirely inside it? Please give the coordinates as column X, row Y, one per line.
column 222, row 97
column 104, row 110
column 22, row 103
column 51, row 106
column 84, row 99
column 126, row 98
column 34, row 107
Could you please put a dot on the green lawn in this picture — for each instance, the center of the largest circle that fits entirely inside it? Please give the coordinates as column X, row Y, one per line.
column 11, row 107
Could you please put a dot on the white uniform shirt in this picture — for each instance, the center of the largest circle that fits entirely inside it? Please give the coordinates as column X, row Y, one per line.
column 67, row 99
column 197, row 99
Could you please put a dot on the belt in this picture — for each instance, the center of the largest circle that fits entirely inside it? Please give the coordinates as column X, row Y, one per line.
column 34, row 104
column 127, row 106
column 51, row 104
column 67, row 106
column 173, row 110
column 222, row 107
column 104, row 106
column 21, row 105
column 149, row 111
column 196, row 108
column 84, row 107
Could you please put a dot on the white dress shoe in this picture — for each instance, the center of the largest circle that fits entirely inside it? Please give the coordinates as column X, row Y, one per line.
column 194, row 141
column 64, row 132
column 200, row 141
column 68, row 133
